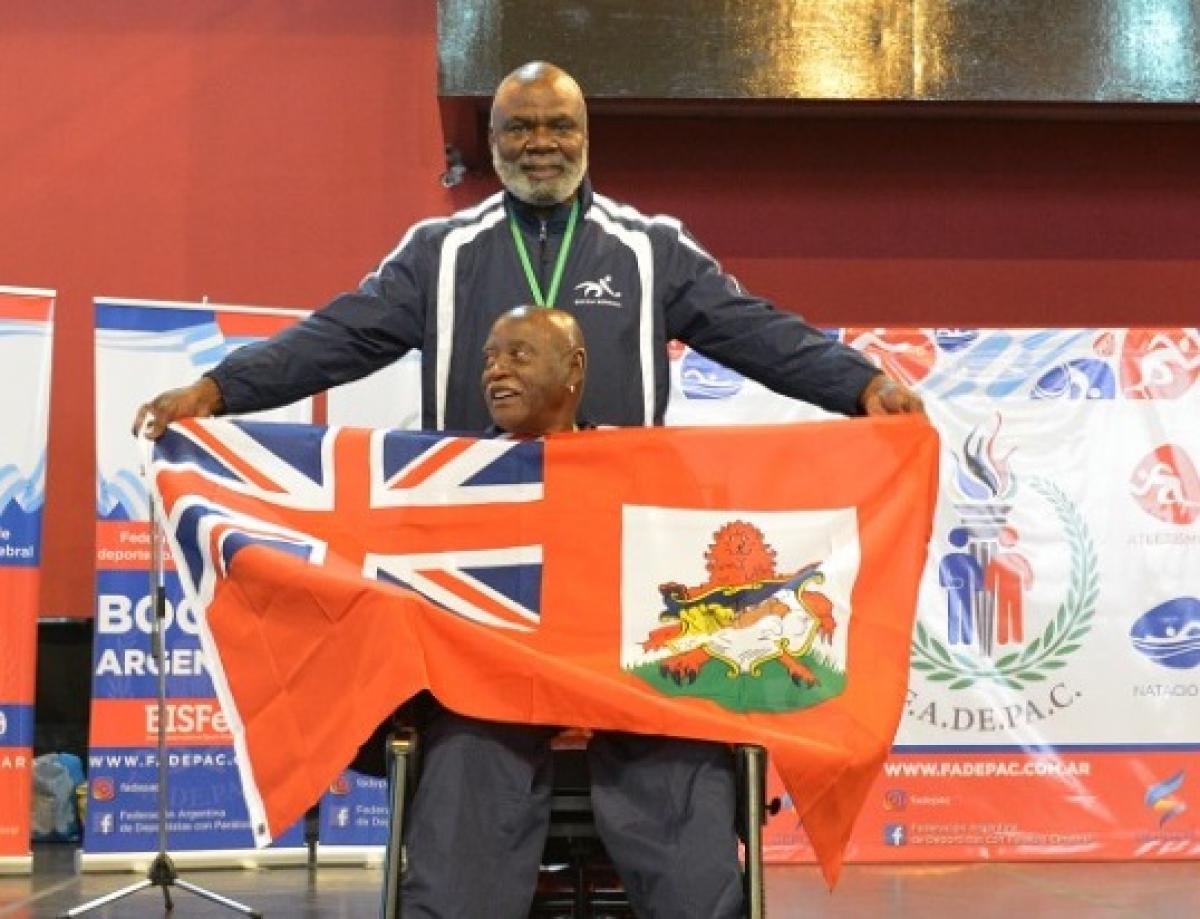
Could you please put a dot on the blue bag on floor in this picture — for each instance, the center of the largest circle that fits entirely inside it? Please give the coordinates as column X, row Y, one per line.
column 54, row 818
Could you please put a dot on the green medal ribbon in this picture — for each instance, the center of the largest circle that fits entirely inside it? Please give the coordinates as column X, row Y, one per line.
column 555, row 279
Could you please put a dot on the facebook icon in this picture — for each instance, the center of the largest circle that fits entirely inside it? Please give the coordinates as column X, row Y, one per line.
column 894, row 834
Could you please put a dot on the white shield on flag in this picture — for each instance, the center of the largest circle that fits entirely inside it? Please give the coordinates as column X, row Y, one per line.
column 749, row 608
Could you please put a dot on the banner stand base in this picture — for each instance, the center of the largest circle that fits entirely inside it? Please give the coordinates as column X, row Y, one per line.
column 367, row 856
column 228, row 859
column 16, row 864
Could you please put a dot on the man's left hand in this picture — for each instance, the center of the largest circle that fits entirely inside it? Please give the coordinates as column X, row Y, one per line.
column 884, row 396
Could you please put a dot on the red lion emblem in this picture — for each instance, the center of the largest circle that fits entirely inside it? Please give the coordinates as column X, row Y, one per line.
column 779, row 626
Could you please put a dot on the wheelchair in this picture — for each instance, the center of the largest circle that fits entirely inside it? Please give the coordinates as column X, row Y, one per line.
column 577, row 880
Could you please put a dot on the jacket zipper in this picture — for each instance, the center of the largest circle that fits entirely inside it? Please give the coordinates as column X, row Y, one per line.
column 543, row 252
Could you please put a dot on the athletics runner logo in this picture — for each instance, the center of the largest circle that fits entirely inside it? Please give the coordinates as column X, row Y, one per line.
column 754, row 622
column 986, row 577
column 1159, row 363
column 1165, row 485
column 907, row 355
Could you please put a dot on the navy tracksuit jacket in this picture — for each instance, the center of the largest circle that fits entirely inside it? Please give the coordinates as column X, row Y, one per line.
column 633, row 282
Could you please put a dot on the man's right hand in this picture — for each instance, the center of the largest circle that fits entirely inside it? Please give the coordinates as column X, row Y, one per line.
column 200, row 400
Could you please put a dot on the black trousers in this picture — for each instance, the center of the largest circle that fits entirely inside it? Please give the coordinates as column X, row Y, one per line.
column 665, row 809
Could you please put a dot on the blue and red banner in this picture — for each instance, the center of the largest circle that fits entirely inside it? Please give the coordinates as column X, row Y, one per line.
column 708, row 599
column 26, row 331
column 143, row 348
column 354, row 812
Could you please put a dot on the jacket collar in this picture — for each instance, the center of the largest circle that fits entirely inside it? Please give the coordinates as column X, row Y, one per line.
column 529, row 215
column 494, row 430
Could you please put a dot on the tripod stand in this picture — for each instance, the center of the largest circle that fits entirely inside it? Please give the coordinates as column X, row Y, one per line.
column 162, row 872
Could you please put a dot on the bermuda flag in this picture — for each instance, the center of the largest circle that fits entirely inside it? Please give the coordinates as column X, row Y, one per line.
column 749, row 584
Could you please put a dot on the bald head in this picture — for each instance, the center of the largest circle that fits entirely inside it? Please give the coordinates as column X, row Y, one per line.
column 538, row 134
column 561, row 328
column 534, row 364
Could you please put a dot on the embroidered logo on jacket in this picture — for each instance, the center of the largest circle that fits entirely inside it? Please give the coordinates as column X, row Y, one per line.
column 597, row 293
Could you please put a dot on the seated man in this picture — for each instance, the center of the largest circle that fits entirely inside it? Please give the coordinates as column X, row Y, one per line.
column 477, row 826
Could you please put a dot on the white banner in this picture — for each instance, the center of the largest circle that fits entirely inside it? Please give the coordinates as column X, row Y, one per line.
column 1054, row 706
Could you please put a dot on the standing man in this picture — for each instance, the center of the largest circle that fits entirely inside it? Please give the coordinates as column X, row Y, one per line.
column 633, row 283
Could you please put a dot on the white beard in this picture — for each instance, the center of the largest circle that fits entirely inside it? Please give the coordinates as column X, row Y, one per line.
column 540, row 192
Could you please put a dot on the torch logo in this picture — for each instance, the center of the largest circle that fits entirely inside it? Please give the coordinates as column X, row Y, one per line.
column 986, row 577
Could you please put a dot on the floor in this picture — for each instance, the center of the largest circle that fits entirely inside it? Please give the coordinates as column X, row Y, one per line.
column 977, row 891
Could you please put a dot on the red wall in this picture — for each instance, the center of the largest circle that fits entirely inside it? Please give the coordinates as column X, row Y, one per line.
column 271, row 152
column 264, row 152
column 933, row 221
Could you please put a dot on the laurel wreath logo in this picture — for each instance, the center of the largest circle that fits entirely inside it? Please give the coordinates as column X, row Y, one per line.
column 1058, row 640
